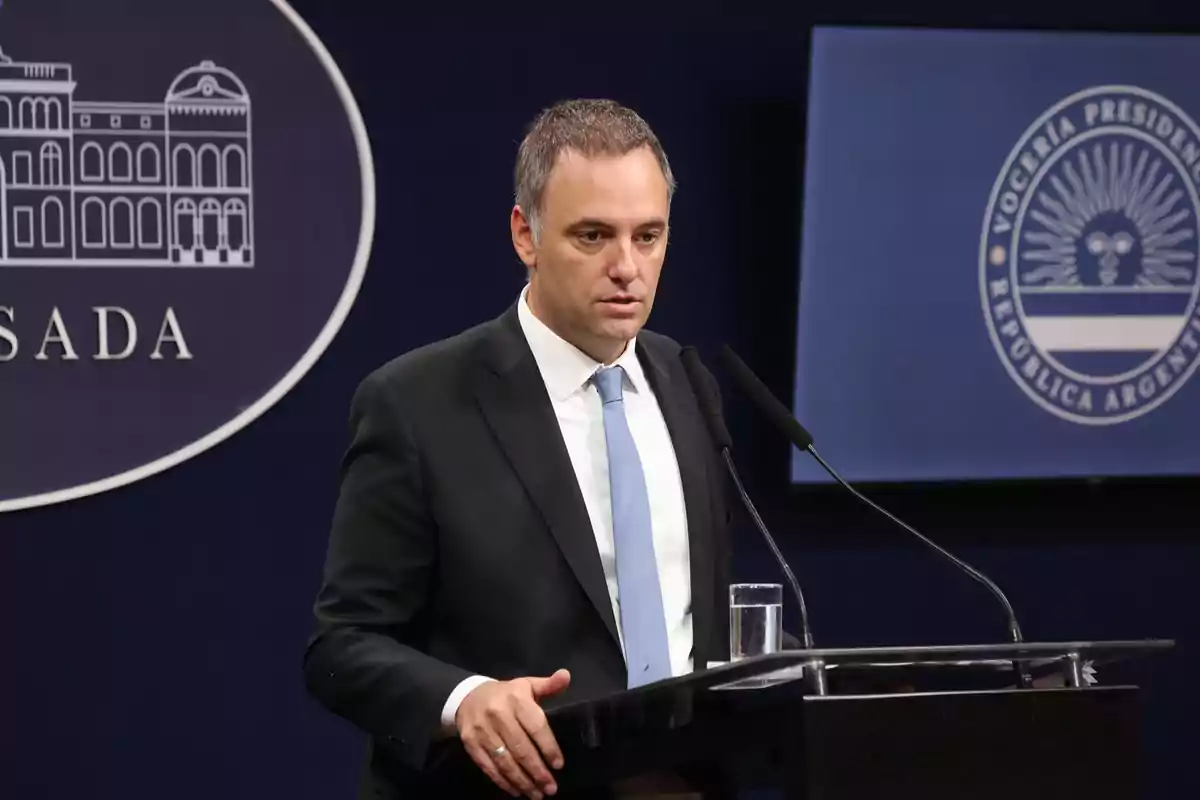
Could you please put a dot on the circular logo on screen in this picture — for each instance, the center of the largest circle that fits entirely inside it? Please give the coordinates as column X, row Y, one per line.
column 186, row 210
column 1088, row 265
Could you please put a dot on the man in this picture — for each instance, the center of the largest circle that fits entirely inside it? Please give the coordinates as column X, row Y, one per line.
column 531, row 512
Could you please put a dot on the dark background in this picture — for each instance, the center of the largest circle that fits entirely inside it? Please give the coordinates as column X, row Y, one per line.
column 152, row 636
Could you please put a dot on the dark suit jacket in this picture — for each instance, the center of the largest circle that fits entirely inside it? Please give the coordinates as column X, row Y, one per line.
column 461, row 545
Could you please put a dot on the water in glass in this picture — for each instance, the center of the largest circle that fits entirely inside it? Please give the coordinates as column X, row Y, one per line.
column 755, row 619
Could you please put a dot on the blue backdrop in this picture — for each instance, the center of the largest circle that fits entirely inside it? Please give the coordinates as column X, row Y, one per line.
column 908, row 132
column 153, row 635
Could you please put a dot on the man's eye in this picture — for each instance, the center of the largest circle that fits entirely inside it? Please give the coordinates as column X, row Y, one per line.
column 648, row 238
column 591, row 237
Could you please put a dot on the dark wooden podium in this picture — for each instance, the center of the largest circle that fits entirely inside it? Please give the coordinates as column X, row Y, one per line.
column 936, row 723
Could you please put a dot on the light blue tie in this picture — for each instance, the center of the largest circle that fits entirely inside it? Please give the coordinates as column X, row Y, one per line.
column 639, row 597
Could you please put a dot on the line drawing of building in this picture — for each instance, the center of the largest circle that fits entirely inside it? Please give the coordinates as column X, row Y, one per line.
column 124, row 184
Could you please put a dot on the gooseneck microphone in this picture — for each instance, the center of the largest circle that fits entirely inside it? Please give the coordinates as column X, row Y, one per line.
column 778, row 414
column 709, row 397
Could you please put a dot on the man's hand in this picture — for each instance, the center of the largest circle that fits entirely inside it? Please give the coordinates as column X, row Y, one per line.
column 506, row 714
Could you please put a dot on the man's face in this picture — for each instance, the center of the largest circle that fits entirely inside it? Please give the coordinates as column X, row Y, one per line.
column 604, row 237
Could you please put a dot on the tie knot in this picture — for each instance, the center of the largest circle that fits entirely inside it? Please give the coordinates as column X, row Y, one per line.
column 608, row 383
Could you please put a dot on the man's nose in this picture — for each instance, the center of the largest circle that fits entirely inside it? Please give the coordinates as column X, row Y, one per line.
column 624, row 267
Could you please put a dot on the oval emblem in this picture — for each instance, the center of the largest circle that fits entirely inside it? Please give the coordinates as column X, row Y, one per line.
column 187, row 203
column 1088, row 265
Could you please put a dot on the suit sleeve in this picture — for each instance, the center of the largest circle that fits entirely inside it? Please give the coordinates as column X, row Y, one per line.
column 364, row 661
column 722, row 562
column 723, row 519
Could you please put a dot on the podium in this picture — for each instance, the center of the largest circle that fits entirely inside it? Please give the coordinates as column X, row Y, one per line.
column 936, row 723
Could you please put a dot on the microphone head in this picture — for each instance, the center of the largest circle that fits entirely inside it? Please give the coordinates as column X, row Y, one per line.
column 708, row 394
column 774, row 410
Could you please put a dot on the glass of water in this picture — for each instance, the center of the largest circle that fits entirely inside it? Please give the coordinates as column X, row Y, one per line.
column 755, row 619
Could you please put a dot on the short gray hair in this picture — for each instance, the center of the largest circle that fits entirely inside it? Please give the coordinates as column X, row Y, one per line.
column 591, row 127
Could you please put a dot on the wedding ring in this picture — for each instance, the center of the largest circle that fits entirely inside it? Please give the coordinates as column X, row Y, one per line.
column 499, row 751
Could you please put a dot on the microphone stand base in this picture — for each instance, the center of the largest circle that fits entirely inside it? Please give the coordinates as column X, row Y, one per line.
column 818, row 682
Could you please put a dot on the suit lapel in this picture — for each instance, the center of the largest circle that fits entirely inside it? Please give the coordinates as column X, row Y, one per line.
column 688, row 437
column 513, row 400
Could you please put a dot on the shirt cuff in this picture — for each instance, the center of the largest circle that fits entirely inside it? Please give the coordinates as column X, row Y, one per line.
column 450, row 709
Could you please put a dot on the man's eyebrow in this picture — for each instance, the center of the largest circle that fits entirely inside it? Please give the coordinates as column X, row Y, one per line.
column 589, row 222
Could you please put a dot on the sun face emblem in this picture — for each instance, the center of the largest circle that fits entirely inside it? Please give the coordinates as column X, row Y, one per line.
column 1089, row 259
column 1110, row 217
column 1109, row 249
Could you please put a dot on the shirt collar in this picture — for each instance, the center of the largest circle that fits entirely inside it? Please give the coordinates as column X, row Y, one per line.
column 565, row 368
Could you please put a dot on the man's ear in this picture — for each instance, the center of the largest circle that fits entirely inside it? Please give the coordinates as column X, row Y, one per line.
column 522, row 237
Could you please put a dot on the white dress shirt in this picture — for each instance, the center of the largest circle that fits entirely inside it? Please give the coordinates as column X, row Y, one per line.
column 567, row 373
